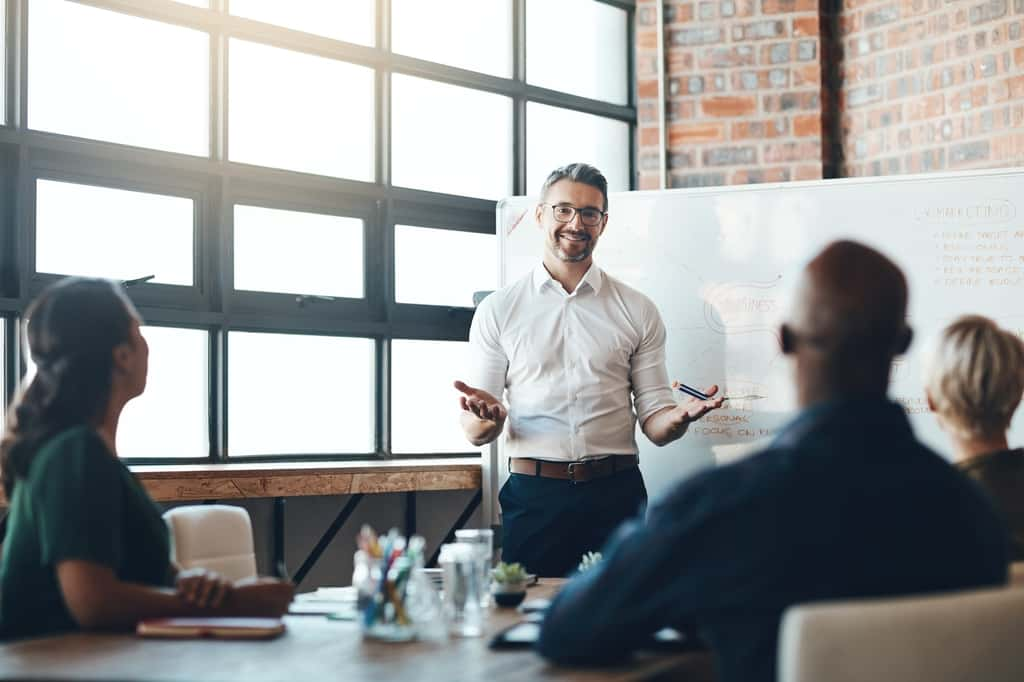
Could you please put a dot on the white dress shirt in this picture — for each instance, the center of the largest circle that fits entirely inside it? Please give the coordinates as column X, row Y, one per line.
column 572, row 366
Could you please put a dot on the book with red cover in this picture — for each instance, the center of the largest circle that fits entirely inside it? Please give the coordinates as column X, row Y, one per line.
column 219, row 628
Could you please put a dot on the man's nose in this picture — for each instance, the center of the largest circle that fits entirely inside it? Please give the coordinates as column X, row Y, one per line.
column 576, row 223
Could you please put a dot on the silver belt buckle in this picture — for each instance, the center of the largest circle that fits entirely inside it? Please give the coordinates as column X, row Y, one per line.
column 572, row 472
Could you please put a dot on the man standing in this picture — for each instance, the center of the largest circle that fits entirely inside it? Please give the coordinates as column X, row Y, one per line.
column 845, row 503
column 582, row 359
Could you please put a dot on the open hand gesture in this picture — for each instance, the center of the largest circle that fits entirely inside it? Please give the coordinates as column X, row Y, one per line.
column 481, row 404
column 692, row 409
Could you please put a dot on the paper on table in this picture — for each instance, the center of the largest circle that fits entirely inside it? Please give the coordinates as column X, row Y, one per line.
column 332, row 594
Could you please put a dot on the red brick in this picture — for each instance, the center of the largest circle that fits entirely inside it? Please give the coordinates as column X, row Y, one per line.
column 681, row 12
column 808, row 74
column 1009, row 148
column 747, row 176
column 685, row 133
column 682, row 109
column 783, row 152
column 805, row 26
column 723, row 107
column 779, row 6
column 647, row 39
column 807, row 125
column 647, row 88
column 807, row 172
column 758, row 130
column 679, row 60
column 1018, row 56
column 649, row 181
column 1015, row 86
column 927, row 107
column 648, row 136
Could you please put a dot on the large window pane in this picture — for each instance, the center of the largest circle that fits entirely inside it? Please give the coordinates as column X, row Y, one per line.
column 555, row 137
column 171, row 418
column 300, row 112
column 290, row 394
column 470, row 34
column 424, row 404
column 577, row 46
column 349, row 20
column 108, row 76
column 443, row 267
column 451, row 139
column 298, row 253
column 103, row 232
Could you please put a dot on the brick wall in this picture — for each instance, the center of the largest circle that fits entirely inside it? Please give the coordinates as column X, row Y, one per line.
column 910, row 86
column 743, row 81
column 932, row 85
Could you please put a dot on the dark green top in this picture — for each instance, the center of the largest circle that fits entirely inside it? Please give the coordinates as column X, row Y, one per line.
column 1001, row 474
column 78, row 501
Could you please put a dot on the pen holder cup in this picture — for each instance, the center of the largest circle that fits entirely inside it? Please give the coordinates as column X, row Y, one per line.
column 382, row 598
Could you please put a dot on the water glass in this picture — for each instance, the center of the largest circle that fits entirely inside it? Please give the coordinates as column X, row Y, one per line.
column 482, row 539
column 460, row 570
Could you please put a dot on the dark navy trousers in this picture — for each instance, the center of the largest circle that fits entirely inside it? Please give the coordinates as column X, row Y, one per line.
column 548, row 523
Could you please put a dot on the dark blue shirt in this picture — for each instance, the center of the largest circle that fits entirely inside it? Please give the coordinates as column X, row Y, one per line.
column 846, row 503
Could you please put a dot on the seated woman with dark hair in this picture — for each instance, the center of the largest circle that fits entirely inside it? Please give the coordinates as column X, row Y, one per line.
column 86, row 546
column 975, row 379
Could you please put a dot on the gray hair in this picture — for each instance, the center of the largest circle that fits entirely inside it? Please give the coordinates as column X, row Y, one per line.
column 975, row 377
column 578, row 172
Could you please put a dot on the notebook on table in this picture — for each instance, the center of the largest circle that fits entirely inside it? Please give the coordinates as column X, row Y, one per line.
column 217, row 628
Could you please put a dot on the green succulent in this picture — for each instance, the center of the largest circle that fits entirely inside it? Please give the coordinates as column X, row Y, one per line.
column 590, row 559
column 509, row 573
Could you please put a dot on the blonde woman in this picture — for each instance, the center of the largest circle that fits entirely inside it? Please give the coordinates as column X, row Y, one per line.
column 975, row 380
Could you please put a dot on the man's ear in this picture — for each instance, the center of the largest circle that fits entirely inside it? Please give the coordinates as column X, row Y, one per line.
column 787, row 340
column 538, row 214
column 928, row 397
column 122, row 357
column 903, row 342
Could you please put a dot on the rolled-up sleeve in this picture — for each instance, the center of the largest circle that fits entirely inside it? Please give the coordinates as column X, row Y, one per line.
column 648, row 374
column 488, row 364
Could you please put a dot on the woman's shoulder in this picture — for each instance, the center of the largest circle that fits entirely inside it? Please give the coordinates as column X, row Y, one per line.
column 72, row 448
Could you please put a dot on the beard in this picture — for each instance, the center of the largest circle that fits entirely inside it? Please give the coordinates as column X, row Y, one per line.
column 556, row 248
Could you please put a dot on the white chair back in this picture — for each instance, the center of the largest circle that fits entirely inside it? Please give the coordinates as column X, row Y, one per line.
column 213, row 536
column 1017, row 574
column 953, row 637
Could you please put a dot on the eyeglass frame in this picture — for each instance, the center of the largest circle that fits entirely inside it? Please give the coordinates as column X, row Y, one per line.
column 575, row 212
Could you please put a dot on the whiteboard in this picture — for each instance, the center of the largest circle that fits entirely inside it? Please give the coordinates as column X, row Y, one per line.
column 720, row 263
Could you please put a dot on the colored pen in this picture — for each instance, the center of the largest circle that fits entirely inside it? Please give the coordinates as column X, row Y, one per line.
column 700, row 395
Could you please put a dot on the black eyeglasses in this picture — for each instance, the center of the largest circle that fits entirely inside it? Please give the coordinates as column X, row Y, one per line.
column 591, row 217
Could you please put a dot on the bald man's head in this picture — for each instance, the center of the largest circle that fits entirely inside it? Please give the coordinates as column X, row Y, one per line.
column 849, row 313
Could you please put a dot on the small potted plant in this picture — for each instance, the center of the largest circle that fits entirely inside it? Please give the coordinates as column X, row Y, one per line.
column 509, row 587
column 588, row 561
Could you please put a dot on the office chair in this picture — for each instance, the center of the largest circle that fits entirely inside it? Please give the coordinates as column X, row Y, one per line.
column 217, row 537
column 952, row 637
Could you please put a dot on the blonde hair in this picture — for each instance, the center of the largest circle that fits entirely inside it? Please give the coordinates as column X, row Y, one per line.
column 975, row 377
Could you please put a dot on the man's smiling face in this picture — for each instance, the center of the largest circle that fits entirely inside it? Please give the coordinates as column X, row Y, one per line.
column 572, row 241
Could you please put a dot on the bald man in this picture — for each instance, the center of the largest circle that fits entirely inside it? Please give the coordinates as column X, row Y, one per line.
column 845, row 503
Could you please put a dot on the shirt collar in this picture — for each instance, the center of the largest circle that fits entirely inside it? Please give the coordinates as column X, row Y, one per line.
column 594, row 277
column 849, row 414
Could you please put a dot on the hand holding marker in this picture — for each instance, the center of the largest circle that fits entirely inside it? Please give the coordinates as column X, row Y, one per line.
column 700, row 395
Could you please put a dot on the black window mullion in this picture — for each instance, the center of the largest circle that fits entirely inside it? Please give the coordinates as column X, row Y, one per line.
column 382, row 398
column 519, row 105
column 218, row 359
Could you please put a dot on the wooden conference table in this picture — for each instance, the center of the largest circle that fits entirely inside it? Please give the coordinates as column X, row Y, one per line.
column 315, row 648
